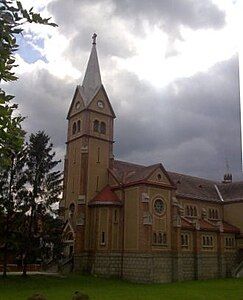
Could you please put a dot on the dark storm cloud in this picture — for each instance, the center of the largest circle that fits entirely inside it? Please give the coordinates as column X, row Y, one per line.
column 44, row 99
column 191, row 126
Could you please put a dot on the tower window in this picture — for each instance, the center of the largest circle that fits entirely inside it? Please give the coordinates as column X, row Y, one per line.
column 96, row 126
column 115, row 216
column 79, row 125
column 97, row 184
column 102, row 242
column 74, row 127
column 98, row 155
column 102, row 127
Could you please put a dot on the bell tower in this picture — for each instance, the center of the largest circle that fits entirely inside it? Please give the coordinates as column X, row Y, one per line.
column 89, row 151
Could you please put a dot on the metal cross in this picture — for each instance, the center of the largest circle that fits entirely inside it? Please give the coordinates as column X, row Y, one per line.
column 94, row 38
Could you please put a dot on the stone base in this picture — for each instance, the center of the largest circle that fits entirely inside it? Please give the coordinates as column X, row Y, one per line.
column 154, row 267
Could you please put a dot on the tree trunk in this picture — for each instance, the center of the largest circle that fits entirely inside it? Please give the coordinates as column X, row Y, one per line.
column 5, row 260
column 24, row 267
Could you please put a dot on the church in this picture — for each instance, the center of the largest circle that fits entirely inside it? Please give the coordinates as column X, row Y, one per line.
column 141, row 223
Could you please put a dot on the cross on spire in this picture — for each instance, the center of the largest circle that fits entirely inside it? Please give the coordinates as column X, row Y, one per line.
column 94, row 36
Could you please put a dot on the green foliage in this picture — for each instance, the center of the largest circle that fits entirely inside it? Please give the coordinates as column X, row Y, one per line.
column 44, row 189
column 12, row 16
column 44, row 181
column 12, row 187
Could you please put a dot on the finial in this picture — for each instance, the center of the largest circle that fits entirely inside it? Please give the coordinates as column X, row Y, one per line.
column 227, row 164
column 94, row 36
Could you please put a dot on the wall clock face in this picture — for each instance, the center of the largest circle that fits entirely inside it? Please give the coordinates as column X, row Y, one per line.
column 159, row 206
column 77, row 105
column 100, row 104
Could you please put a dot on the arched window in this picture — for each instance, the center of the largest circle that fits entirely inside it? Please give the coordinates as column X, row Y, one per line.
column 216, row 214
column 195, row 211
column 187, row 211
column 74, row 127
column 164, row 238
column 160, row 240
column 191, row 211
column 79, row 125
column 154, row 238
column 186, row 239
column 102, row 127
column 71, row 209
column 96, row 126
column 182, row 240
column 208, row 243
column 210, row 214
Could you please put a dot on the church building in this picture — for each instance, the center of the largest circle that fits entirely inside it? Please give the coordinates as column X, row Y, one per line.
column 141, row 223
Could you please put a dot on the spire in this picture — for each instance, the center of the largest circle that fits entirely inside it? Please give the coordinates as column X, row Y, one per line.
column 92, row 79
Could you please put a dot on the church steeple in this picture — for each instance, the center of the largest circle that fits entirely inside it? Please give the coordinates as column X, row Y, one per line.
column 92, row 79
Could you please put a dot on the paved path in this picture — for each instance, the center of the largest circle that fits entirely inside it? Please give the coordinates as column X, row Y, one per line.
column 37, row 273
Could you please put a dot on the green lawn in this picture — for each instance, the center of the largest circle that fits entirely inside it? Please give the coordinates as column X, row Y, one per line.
column 17, row 288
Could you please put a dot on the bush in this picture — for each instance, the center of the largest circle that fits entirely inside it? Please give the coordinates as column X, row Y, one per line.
column 80, row 296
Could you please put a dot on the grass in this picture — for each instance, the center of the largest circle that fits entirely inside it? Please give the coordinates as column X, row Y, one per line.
column 18, row 288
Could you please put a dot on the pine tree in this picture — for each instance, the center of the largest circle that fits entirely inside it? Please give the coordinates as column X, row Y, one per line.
column 45, row 186
column 12, row 188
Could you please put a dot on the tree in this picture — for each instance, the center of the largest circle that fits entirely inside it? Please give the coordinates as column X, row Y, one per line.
column 12, row 187
column 12, row 18
column 45, row 186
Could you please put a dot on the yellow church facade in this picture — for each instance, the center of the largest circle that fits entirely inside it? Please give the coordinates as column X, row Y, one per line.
column 137, row 222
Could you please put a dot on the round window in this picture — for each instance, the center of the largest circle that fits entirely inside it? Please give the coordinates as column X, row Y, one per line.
column 100, row 104
column 159, row 206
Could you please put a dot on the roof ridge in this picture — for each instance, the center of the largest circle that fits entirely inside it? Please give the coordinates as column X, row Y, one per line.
column 191, row 176
column 128, row 163
column 137, row 165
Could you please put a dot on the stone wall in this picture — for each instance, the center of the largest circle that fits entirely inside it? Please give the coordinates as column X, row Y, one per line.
column 207, row 266
column 231, row 262
column 143, row 267
column 156, row 267
column 186, row 266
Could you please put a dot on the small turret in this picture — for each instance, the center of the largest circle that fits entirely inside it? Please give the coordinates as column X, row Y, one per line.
column 227, row 175
column 227, row 178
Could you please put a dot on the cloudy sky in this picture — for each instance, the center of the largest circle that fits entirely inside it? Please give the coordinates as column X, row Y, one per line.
column 170, row 69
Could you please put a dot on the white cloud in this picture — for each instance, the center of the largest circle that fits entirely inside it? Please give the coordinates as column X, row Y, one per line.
column 140, row 64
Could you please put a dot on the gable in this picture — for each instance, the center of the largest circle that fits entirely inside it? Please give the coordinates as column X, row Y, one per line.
column 159, row 175
column 101, row 104
column 77, row 103
column 68, row 231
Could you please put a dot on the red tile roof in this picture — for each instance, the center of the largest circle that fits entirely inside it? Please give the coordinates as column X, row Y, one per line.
column 186, row 224
column 127, row 173
column 186, row 186
column 229, row 228
column 207, row 226
column 106, row 197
